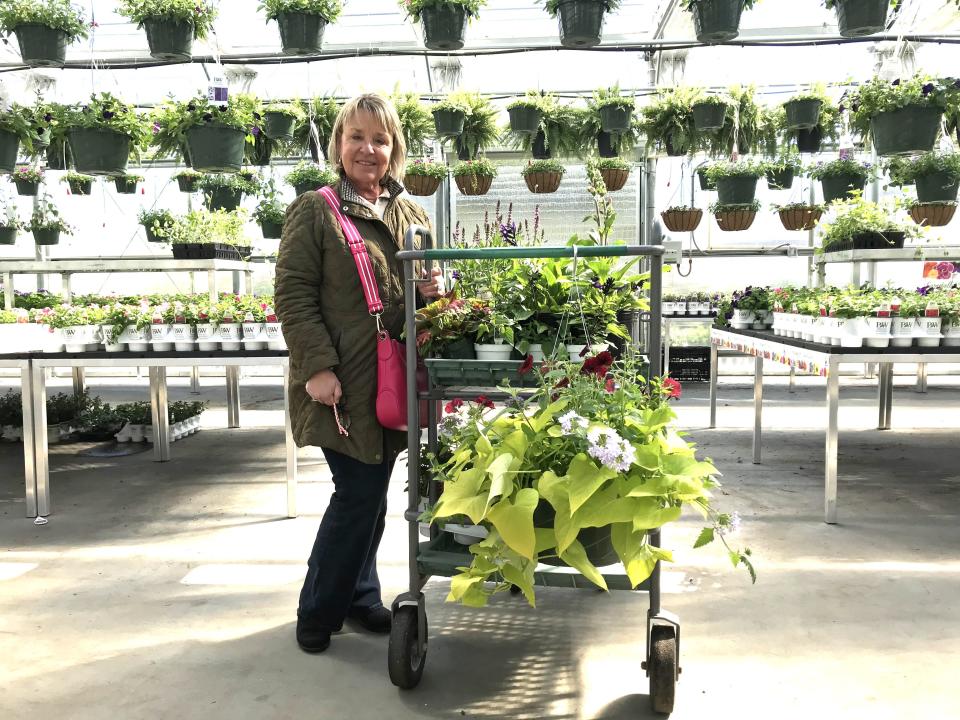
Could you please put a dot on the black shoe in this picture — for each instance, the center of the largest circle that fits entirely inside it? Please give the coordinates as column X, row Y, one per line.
column 375, row 619
column 312, row 638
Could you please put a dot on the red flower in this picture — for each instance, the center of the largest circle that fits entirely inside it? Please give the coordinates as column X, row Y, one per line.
column 484, row 401
column 598, row 365
column 671, row 388
column 527, row 365
column 423, row 337
column 610, row 386
column 453, row 405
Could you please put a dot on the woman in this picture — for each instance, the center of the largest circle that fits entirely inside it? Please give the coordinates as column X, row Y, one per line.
column 333, row 364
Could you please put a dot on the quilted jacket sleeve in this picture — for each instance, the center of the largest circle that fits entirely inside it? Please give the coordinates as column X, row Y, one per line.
column 299, row 274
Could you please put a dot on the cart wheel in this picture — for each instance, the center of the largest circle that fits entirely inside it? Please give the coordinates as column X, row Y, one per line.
column 404, row 658
column 663, row 668
column 514, row 590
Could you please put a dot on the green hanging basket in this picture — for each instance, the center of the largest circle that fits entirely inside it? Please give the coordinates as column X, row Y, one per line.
column 608, row 146
column 223, row 198
column 8, row 235
column 837, row 187
column 525, row 119
column 448, row 122
column 260, row 152
column 780, row 179
column 857, row 18
column 27, row 187
column 907, row 131
column 46, row 236
column 152, row 236
column 42, row 46
column 716, row 21
column 271, row 230
column 444, row 26
column 305, row 187
column 705, row 182
column 937, row 187
column 736, row 190
column 98, row 151
column 581, row 23
column 169, row 40
column 301, row 34
column 278, row 126
column 802, row 114
column 80, row 187
column 708, row 116
column 216, row 148
column 809, row 141
column 187, row 184
column 615, row 119
column 672, row 149
column 9, row 145
column 125, row 186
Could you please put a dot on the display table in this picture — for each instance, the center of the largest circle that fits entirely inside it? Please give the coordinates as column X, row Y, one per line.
column 823, row 361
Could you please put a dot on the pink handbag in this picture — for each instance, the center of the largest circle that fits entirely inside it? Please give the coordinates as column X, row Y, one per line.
column 391, row 354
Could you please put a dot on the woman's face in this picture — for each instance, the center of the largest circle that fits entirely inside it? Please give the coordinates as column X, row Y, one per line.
column 365, row 149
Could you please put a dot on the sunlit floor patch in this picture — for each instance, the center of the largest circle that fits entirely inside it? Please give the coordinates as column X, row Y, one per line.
column 244, row 574
column 10, row 571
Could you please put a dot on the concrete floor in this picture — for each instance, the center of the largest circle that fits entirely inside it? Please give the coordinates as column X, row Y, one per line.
column 169, row 591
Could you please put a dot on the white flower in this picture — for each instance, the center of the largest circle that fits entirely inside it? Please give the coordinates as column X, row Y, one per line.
column 572, row 421
column 610, row 449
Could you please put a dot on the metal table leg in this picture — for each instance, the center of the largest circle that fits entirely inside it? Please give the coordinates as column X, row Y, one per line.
column 830, row 461
column 195, row 380
column 79, row 381
column 233, row 396
column 65, row 288
column 666, row 346
column 161, row 420
column 8, row 291
column 237, row 283
column 921, row 377
column 212, row 286
column 792, row 386
column 29, row 442
column 38, row 387
column 757, row 406
column 290, row 445
column 888, row 415
column 882, row 390
column 714, row 363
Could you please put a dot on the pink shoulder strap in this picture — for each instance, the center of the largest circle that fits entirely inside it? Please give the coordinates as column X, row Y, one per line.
column 359, row 250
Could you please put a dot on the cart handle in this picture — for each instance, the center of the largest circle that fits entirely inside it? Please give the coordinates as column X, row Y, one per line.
column 542, row 251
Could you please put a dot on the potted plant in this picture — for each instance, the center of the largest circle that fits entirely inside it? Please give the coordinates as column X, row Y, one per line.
column 742, row 127
column 492, row 331
column 615, row 172
column 480, row 129
column 735, row 217
column 187, row 180
column 526, row 113
column 543, row 176
column 215, row 135
column 474, row 177
column 668, row 122
column 16, row 127
column 682, row 218
column 581, row 21
column 859, row 224
column 10, row 224
column 27, row 180
column 841, row 178
column 802, row 111
column 416, row 123
column 423, row 177
column 936, row 175
column 615, row 110
column 443, row 328
column 46, row 223
column 901, row 117
column 780, row 172
column 43, row 28
column 156, row 224
column 270, row 211
column 102, row 133
column 562, row 131
column 703, row 177
column 799, row 216
column 710, row 112
column 308, row 177
column 857, row 18
column 171, row 25
column 933, row 214
column 736, row 182
column 225, row 192
column 127, row 184
column 78, row 183
column 210, row 234
column 301, row 22
column 312, row 134
column 280, row 118
column 444, row 21
column 716, row 21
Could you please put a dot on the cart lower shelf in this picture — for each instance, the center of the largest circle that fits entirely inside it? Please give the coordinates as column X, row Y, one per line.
column 442, row 556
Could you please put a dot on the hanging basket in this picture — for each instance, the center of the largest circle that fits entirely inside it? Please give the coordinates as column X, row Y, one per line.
column 539, row 148
column 187, row 183
column 802, row 114
column 910, row 130
column 8, row 235
column 682, row 220
column 705, row 182
column 933, row 215
column 780, row 179
column 9, row 145
column 716, row 21
column 271, row 230
column 125, row 186
column 800, row 218
column 937, row 187
column 525, row 119
column 448, row 122
column 607, row 145
column 46, row 236
column 464, row 153
column 581, row 23
column 736, row 220
column 809, row 141
column 421, row 185
column 56, row 154
column 444, row 26
column 27, row 187
column 543, row 182
column 672, row 149
column 473, row 184
column 736, row 190
column 614, row 178
column 708, row 116
column 80, row 187
column 305, row 187
column 301, row 34
column 260, row 152
column 223, row 198
column 615, row 119
column 152, row 236
column 278, row 126
column 837, row 187
column 169, row 40
column 856, row 18
column 97, row 151
column 316, row 151
column 216, row 148
column 42, row 46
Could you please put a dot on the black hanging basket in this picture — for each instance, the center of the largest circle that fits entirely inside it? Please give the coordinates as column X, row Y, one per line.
column 809, row 141
column 315, row 151
column 716, row 21
column 910, row 130
column 9, row 145
column 98, row 151
column 216, row 148
column 27, row 187
column 46, row 236
column 80, row 187
column 837, row 187
column 615, row 119
column 57, row 155
column 260, row 152
column 152, row 236
column 223, row 198
column 802, row 114
column 525, row 119
column 705, row 182
column 608, row 145
column 301, row 34
column 539, row 149
column 937, row 188
column 305, row 187
column 780, row 179
column 448, row 122
column 444, row 26
column 673, row 150
column 169, row 40
column 708, row 116
column 581, row 23
column 125, row 186
column 463, row 152
column 8, row 235
column 42, row 46
column 736, row 190
column 271, row 230
column 857, row 18
column 278, row 126
column 187, row 183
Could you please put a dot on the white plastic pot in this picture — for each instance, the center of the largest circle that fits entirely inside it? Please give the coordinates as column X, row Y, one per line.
column 135, row 340
column 493, row 351
column 951, row 334
column 929, row 331
column 207, row 337
column 536, row 352
column 182, row 336
column 274, row 335
column 669, row 308
column 77, row 337
column 160, row 337
column 466, row 534
column 110, row 344
column 254, row 336
column 680, row 308
column 53, row 434
column 135, row 432
column 878, row 332
column 742, row 319
column 903, row 331
column 11, row 433
column 230, row 336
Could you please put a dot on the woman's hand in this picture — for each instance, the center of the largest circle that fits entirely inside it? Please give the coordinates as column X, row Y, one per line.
column 324, row 387
column 434, row 288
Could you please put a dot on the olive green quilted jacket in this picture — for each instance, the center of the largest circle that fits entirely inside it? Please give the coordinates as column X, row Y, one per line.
column 326, row 325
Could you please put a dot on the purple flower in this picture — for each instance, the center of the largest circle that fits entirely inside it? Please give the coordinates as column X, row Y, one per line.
column 956, row 84
column 156, row 128
column 508, row 231
column 842, row 108
column 48, row 117
column 255, row 130
column 923, row 290
column 457, row 275
column 927, row 89
column 896, row 82
column 108, row 114
column 207, row 117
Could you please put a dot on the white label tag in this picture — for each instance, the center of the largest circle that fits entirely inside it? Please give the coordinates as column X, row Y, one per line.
column 217, row 91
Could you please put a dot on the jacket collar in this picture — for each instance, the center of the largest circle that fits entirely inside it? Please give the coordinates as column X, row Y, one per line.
column 348, row 194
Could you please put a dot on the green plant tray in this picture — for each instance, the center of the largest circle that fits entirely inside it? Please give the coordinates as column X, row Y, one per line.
column 477, row 373
column 441, row 557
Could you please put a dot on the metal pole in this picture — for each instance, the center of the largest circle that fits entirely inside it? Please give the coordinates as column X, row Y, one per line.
column 29, row 440
column 8, row 291
column 233, row 396
column 757, row 406
column 41, row 459
column 291, row 447
column 212, row 286
column 161, row 419
column 830, row 461
column 714, row 367
column 413, row 424
column 656, row 314
column 882, row 397
column 79, row 381
column 195, row 380
column 921, row 377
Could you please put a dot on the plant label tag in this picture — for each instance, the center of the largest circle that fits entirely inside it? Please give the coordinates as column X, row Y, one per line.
column 217, row 91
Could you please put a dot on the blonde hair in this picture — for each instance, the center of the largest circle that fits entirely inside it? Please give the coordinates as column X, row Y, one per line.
column 385, row 114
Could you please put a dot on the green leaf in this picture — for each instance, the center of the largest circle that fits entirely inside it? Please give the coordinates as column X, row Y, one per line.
column 650, row 515
column 462, row 496
column 704, row 538
column 655, row 486
column 501, row 480
column 576, row 557
column 546, row 539
column 461, row 584
column 546, row 416
column 585, row 479
column 523, row 579
column 517, row 443
column 514, row 522
column 648, row 455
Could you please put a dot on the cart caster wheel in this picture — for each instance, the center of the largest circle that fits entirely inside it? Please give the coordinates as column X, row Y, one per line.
column 663, row 668
column 404, row 657
column 514, row 590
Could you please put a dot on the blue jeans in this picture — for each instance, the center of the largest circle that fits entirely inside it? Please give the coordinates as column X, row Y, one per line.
column 342, row 569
